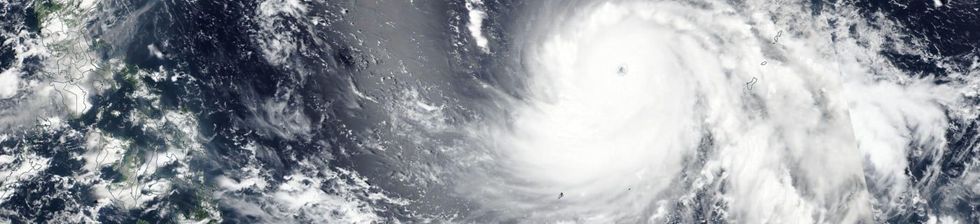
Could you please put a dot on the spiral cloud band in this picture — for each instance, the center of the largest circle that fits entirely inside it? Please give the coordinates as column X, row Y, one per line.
column 489, row 111
column 625, row 97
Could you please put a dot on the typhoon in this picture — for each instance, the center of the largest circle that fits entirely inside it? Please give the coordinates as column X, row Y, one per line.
column 489, row 111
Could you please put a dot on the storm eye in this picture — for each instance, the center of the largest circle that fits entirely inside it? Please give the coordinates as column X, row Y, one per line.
column 622, row 69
